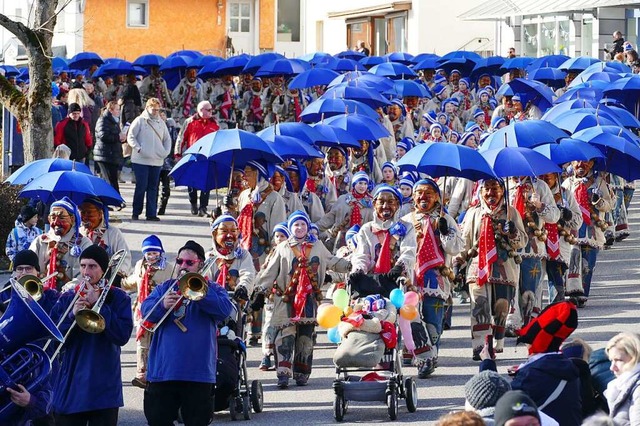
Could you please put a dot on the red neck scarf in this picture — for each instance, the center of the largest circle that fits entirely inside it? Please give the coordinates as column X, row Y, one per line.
column 519, row 201
column 310, row 184
column 142, row 296
column 53, row 267
column 245, row 225
column 383, row 264
column 222, row 274
column 553, row 243
column 582, row 197
column 487, row 253
column 429, row 254
column 186, row 106
column 256, row 108
column 296, row 107
column 225, row 107
column 356, row 214
column 304, row 287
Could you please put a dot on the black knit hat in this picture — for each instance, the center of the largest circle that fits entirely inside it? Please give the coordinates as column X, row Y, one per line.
column 514, row 404
column 26, row 213
column 98, row 254
column 485, row 389
column 194, row 247
column 74, row 107
column 26, row 257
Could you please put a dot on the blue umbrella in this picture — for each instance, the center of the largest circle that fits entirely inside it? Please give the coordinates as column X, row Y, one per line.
column 571, row 121
column 300, row 131
column 24, row 74
column 516, row 161
column 578, row 64
column 74, row 184
column 363, row 79
column 350, row 54
column 290, row 148
column 315, row 57
column 612, row 66
column 550, row 61
column 84, row 60
column 35, row 169
column 10, row 71
column 117, row 68
column 422, row 56
column 325, row 108
column 428, row 64
column 324, row 62
column 393, row 71
column 598, row 112
column 589, row 93
column 257, row 61
column 534, row 92
column 624, row 117
column 233, row 65
column 59, row 62
column 206, row 59
column 361, row 127
column 527, row 134
column 489, row 65
column 313, row 77
column 584, row 77
column 627, row 91
column 400, row 57
column 521, row 62
column 573, row 104
column 588, row 134
column 176, row 63
column 622, row 156
column 197, row 171
column 465, row 54
column 550, row 76
column 209, row 70
column 193, row 54
column 464, row 65
column 569, row 150
column 285, row 67
column 404, row 88
column 335, row 136
column 148, row 61
column 234, row 147
column 367, row 96
column 371, row 61
column 446, row 159
column 345, row 65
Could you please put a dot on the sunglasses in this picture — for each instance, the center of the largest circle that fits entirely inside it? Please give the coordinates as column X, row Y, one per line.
column 187, row 262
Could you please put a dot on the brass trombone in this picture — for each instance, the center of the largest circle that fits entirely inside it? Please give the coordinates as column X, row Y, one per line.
column 32, row 284
column 192, row 286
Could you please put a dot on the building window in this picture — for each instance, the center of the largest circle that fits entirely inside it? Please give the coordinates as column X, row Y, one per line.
column 240, row 17
column 530, row 40
column 288, row 20
column 359, row 32
column 138, row 13
column 397, row 33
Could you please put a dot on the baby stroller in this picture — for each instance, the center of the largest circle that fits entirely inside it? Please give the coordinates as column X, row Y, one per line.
column 232, row 390
column 369, row 349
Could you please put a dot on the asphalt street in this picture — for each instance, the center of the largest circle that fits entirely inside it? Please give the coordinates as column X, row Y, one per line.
column 613, row 307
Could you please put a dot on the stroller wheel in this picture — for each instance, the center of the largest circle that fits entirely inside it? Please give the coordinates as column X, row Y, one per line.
column 392, row 405
column 246, row 407
column 257, row 396
column 411, row 394
column 339, row 407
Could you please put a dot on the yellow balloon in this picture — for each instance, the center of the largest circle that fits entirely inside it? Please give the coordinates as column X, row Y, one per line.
column 329, row 317
column 348, row 311
column 409, row 312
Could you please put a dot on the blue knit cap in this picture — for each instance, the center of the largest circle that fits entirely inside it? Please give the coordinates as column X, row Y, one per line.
column 389, row 165
column 282, row 228
column 439, row 90
column 471, row 126
column 430, row 182
column 221, row 219
column 406, row 181
column 351, row 233
column 435, row 126
column 264, row 169
column 495, row 122
column 296, row 216
column 359, row 177
column 478, row 113
column 72, row 209
column 380, row 189
column 405, row 143
column 465, row 137
column 399, row 103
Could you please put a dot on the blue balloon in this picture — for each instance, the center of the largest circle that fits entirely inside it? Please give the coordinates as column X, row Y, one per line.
column 334, row 335
column 397, row 297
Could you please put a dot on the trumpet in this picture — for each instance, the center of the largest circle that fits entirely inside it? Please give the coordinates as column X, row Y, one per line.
column 192, row 286
column 32, row 284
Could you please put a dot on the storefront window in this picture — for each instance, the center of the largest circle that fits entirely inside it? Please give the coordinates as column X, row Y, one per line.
column 564, row 31
column 587, row 37
column 397, row 31
column 288, row 20
column 530, row 40
column 547, row 38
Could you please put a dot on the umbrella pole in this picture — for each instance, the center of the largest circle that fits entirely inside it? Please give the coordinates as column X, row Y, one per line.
column 444, row 192
column 231, row 174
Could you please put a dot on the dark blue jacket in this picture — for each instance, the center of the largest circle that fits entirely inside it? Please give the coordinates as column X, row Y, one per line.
column 46, row 302
column 190, row 356
column 540, row 378
column 89, row 376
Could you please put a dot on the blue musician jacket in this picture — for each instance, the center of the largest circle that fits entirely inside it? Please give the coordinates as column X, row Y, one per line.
column 89, row 377
column 191, row 355
column 46, row 302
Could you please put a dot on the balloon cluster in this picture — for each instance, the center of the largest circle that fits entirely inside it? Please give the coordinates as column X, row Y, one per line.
column 407, row 304
column 329, row 315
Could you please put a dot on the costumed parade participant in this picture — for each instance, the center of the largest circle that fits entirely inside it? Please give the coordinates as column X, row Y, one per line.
column 154, row 86
column 191, row 328
column 225, row 104
column 186, row 96
column 292, row 278
column 363, row 160
column 319, row 184
column 492, row 232
column 251, row 106
column 91, row 357
column 338, row 169
column 59, row 248
column 283, row 185
column 303, row 189
column 147, row 273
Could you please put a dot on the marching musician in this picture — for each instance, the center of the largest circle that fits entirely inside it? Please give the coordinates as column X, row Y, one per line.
column 25, row 263
column 59, row 248
column 91, row 361
column 182, row 364
column 148, row 272
column 95, row 226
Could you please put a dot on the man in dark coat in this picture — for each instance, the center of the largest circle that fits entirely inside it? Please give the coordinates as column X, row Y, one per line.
column 74, row 132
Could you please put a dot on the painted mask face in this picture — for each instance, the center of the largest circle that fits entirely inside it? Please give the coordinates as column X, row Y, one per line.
column 90, row 215
column 295, row 180
column 484, row 81
column 192, row 74
column 226, row 235
column 250, row 177
column 386, row 206
column 279, row 237
column 455, row 78
column 237, row 182
column 336, row 159
column 411, row 102
column 315, row 166
column 550, row 179
column 425, row 198
column 394, row 112
column 361, row 187
column 582, row 168
column 299, row 229
column 277, row 180
column 492, row 193
column 60, row 221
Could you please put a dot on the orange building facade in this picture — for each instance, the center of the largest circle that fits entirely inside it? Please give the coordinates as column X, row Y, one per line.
column 130, row 28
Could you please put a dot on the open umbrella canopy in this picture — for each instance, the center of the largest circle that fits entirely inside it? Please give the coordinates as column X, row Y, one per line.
column 574, row 104
column 148, row 61
column 234, row 147
column 460, row 54
column 572, row 121
column 335, row 136
column 400, row 57
column 427, row 64
column 233, row 65
column 118, row 67
column 74, row 184
column 463, row 65
column 254, row 64
column 516, row 161
column 393, row 70
column 313, row 77
column 206, row 59
column 300, row 131
column 528, row 134
column 490, row 65
column 350, row 54
column 193, row 54
column 422, row 56
column 315, row 58
column 624, row 117
column 531, row 91
column 589, row 93
column 344, row 65
column 578, row 64
column 285, row 67
column 59, row 62
column 176, row 63
column 612, row 66
column 290, row 148
column 360, row 127
column 550, row 76
column 84, row 60
column 363, row 79
column 209, row 70
column 10, row 70
column 371, row 61
column 569, row 150
column 364, row 95
column 35, row 169
column 597, row 76
column 405, row 88
column 446, row 159
column 197, row 171
column 622, row 156
column 551, row 61
column 590, row 133
column 325, row 108
column 521, row 62
column 627, row 91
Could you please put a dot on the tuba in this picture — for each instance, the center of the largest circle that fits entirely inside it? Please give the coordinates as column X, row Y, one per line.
column 22, row 362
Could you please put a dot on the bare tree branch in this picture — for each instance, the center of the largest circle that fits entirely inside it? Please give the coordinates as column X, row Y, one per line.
column 44, row 25
column 18, row 29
